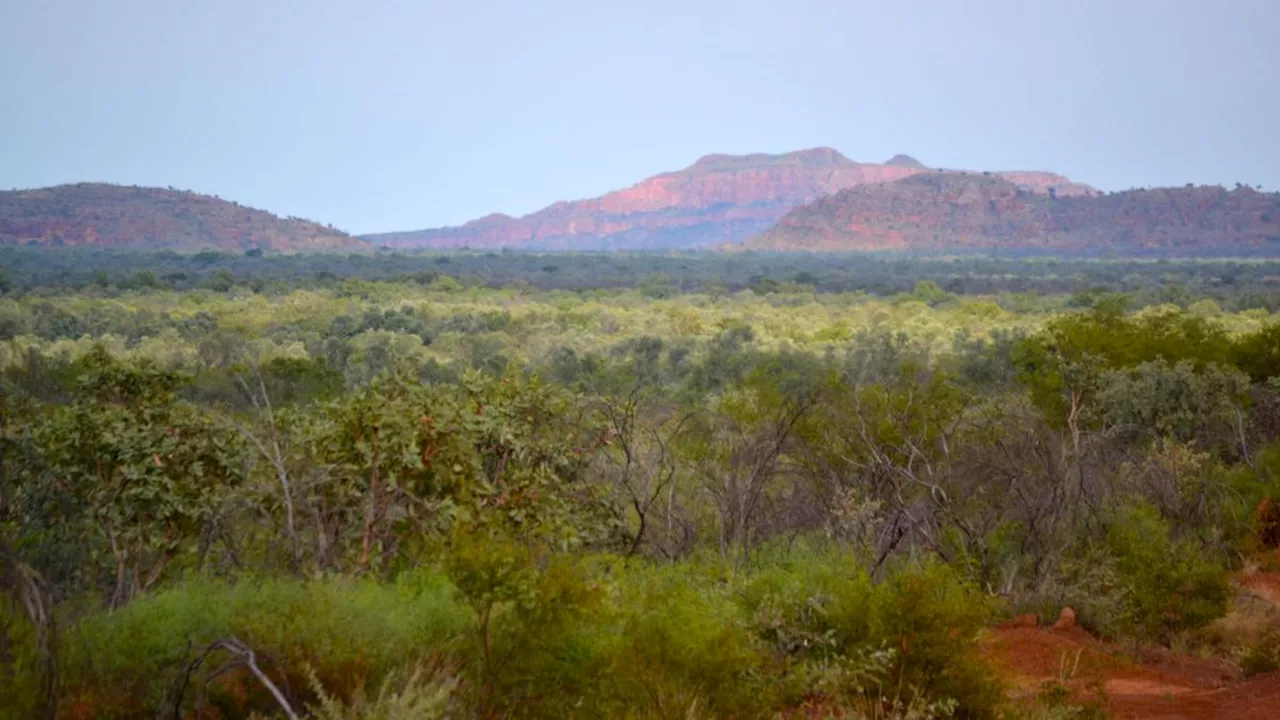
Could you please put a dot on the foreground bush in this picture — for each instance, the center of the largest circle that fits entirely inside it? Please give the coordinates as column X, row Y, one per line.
column 519, row 635
column 848, row 640
column 1141, row 583
column 138, row 660
column 1167, row 586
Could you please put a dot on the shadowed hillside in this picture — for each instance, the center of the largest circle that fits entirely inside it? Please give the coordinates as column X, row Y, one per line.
column 956, row 210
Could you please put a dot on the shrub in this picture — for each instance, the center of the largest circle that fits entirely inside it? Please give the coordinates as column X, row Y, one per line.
column 533, row 647
column 350, row 632
column 1263, row 656
column 1141, row 583
column 1253, row 505
column 681, row 646
column 909, row 638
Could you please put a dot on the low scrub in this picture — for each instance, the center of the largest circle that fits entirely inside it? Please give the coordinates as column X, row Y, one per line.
column 561, row 636
column 148, row 655
column 1141, row 583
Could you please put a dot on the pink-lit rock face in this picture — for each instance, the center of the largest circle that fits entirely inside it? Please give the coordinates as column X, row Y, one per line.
column 718, row 199
column 940, row 211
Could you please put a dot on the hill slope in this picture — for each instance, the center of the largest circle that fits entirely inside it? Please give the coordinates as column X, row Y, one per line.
column 718, row 199
column 139, row 217
column 955, row 210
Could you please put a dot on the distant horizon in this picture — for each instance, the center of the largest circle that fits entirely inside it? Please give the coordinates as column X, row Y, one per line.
column 401, row 115
column 361, row 234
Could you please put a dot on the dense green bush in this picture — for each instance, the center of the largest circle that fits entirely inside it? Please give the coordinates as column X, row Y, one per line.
column 681, row 647
column 347, row 632
column 1258, row 353
column 853, row 640
column 1142, row 583
column 557, row 637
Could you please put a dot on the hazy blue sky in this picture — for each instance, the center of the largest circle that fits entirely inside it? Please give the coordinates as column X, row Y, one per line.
column 382, row 115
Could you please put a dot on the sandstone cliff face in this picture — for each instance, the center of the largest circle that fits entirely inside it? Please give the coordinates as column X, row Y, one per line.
column 92, row 214
column 719, row 199
column 951, row 210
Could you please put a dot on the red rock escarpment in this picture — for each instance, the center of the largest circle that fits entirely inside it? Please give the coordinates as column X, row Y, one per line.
column 718, row 199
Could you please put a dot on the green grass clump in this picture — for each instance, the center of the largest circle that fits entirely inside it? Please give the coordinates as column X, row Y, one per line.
column 425, row 693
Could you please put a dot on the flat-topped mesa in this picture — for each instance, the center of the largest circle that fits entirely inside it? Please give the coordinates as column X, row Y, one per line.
column 719, row 198
column 814, row 158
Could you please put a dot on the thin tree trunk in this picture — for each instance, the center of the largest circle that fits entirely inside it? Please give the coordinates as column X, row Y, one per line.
column 371, row 512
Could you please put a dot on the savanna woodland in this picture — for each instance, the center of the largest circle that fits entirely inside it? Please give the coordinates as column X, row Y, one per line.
column 511, row 485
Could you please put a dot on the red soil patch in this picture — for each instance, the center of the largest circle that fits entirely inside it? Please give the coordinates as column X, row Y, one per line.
column 1162, row 685
column 1266, row 586
column 1255, row 699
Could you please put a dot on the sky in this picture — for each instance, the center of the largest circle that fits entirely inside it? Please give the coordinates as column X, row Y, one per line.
column 379, row 115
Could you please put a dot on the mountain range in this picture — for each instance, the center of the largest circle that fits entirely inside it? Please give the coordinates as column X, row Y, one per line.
column 718, row 200
column 957, row 211
column 97, row 214
column 816, row 200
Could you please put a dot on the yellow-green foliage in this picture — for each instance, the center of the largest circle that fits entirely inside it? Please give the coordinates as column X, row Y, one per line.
column 681, row 642
column 534, row 324
column 538, row 322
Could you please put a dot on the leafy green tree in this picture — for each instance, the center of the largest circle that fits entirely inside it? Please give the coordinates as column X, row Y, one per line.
column 410, row 463
column 1258, row 353
column 1168, row 401
column 145, row 473
column 1063, row 366
column 145, row 280
column 737, row 450
column 657, row 286
column 928, row 291
column 763, row 285
column 222, row 281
